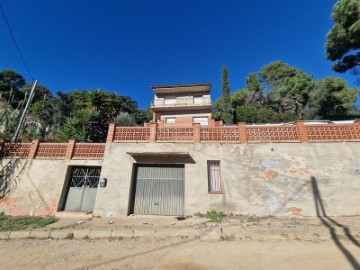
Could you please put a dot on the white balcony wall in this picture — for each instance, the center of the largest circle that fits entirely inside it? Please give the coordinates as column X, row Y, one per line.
column 182, row 101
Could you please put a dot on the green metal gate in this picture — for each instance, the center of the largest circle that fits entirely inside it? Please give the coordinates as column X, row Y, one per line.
column 159, row 190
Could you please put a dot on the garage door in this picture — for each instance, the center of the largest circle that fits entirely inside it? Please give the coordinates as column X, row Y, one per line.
column 159, row 190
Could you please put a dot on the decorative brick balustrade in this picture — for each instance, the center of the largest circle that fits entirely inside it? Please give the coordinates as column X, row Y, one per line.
column 220, row 134
column 89, row 150
column 178, row 134
column 16, row 149
column 331, row 132
column 298, row 132
column 51, row 150
column 272, row 134
column 132, row 134
column 242, row 133
column 70, row 150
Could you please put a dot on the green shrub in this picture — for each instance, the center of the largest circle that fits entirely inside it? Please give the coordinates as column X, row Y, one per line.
column 9, row 223
column 214, row 216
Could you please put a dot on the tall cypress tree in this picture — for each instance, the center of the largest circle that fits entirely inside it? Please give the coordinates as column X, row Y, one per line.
column 226, row 110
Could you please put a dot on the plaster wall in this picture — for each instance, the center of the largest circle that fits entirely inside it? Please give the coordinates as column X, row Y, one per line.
column 35, row 186
column 258, row 179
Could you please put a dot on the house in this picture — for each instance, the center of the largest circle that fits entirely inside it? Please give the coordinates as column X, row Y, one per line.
column 184, row 162
column 182, row 105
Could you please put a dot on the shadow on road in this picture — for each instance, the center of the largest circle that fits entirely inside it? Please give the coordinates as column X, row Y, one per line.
column 330, row 224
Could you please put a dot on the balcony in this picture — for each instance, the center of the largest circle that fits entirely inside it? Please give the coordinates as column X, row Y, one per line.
column 188, row 101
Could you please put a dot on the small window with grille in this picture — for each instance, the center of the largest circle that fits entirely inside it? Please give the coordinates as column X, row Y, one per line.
column 214, row 179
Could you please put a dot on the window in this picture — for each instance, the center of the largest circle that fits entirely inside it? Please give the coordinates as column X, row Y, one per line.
column 214, row 179
column 170, row 120
column 203, row 121
column 170, row 100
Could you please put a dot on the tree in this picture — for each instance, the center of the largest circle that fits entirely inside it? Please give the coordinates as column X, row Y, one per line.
column 143, row 116
column 297, row 89
column 125, row 119
column 80, row 126
column 290, row 87
column 41, row 92
column 10, row 84
column 240, row 97
column 224, row 102
column 332, row 98
column 256, row 90
column 343, row 40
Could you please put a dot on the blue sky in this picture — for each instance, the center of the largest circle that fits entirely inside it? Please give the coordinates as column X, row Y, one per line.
column 126, row 46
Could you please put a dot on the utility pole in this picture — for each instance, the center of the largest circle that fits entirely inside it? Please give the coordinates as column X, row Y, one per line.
column 22, row 119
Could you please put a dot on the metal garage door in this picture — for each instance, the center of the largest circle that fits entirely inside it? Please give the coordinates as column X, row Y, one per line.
column 83, row 188
column 159, row 190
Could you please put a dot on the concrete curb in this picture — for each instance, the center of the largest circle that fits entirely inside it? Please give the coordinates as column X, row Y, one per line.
column 4, row 235
column 210, row 233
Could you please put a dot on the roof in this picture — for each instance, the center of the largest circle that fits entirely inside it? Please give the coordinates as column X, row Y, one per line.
column 192, row 88
column 179, row 85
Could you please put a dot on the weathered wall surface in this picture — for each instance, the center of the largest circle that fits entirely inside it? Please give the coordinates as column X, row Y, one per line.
column 35, row 186
column 258, row 179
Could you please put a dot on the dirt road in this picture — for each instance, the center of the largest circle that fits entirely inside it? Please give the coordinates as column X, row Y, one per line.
column 263, row 243
column 145, row 253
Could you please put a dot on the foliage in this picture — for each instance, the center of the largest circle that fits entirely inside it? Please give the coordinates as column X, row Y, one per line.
column 251, row 114
column 10, row 84
column 214, row 216
column 41, row 92
column 125, row 119
column 255, row 90
column 332, row 98
column 223, row 104
column 290, row 86
column 9, row 223
column 83, row 126
column 8, row 119
column 343, row 40
column 279, row 93
column 83, row 115
column 143, row 116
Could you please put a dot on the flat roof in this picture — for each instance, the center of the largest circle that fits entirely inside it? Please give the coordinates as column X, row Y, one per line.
column 181, row 88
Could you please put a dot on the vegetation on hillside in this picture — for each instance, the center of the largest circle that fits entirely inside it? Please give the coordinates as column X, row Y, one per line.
column 83, row 115
column 281, row 93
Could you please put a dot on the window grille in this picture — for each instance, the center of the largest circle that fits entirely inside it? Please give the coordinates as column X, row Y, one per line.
column 214, row 179
column 85, row 176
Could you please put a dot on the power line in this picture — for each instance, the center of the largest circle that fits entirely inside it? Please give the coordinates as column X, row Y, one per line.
column 14, row 40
